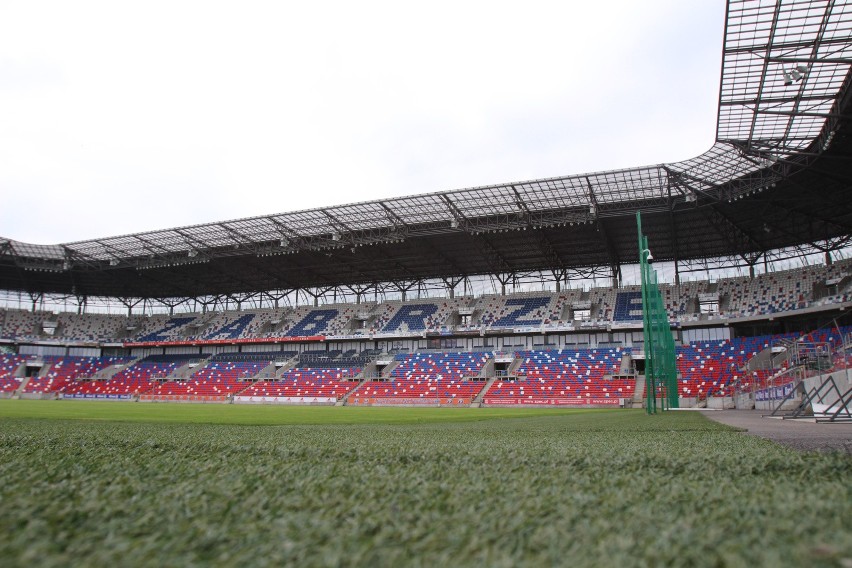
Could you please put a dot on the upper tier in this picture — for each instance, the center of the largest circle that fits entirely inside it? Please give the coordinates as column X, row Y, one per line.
column 698, row 303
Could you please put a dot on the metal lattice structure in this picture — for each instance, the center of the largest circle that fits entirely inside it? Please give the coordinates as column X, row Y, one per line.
column 660, row 356
column 779, row 175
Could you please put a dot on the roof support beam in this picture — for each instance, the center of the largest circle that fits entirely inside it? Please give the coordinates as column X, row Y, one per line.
column 522, row 207
column 492, row 255
column 794, row 113
column 787, row 45
column 814, row 50
column 811, row 60
column 673, row 231
column 239, row 239
column 394, row 218
column 459, row 217
column 151, row 247
column 359, row 291
column 612, row 252
column 458, row 270
column 119, row 254
column 737, row 238
column 832, row 244
column 774, row 100
column 765, row 69
column 337, row 223
column 191, row 240
column 791, row 210
column 556, row 261
column 285, row 230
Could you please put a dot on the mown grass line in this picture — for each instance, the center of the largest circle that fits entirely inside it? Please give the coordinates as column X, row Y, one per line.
column 258, row 414
column 579, row 489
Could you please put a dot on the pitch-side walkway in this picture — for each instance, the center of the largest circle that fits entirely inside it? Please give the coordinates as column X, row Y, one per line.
column 800, row 435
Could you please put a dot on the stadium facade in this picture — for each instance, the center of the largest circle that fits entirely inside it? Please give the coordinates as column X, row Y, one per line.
column 776, row 183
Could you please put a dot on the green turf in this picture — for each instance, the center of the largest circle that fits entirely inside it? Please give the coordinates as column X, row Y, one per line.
column 247, row 414
column 580, row 489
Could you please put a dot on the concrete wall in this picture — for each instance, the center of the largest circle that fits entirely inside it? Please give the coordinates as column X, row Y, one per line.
column 744, row 401
column 770, row 405
column 38, row 395
column 720, row 402
column 843, row 379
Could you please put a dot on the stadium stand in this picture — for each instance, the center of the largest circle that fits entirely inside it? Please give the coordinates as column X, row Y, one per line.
column 565, row 377
column 232, row 329
column 9, row 365
column 316, row 385
column 328, row 320
column 381, row 315
column 264, row 323
column 135, row 379
column 708, row 368
column 741, row 297
column 426, row 378
column 681, row 302
column 628, row 306
column 781, row 291
column 417, row 316
column 63, row 371
column 545, row 227
column 220, row 378
column 331, row 360
column 603, row 303
column 20, row 324
column 530, row 310
column 91, row 327
column 164, row 328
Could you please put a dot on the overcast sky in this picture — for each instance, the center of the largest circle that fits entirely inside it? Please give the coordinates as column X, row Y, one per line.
column 120, row 117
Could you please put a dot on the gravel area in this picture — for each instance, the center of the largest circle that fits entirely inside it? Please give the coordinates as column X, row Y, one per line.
column 802, row 435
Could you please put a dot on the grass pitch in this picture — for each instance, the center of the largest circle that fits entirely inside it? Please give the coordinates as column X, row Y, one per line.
column 266, row 486
column 250, row 414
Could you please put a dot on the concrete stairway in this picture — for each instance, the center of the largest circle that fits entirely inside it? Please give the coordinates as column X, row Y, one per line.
column 477, row 400
column 626, row 367
column 343, row 400
column 267, row 372
column 487, row 369
column 187, row 370
column 386, row 372
column 109, row 372
column 20, row 389
column 639, row 392
column 514, row 366
column 289, row 364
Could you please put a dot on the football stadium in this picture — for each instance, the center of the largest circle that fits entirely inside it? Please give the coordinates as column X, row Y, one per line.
column 499, row 375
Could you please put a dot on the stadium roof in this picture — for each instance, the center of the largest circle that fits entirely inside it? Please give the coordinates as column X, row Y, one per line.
column 778, row 175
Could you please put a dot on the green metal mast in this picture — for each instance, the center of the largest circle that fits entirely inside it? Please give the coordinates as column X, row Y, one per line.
column 660, row 358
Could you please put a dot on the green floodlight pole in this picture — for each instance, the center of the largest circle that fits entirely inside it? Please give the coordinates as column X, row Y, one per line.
column 650, row 382
column 659, row 327
column 660, row 356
